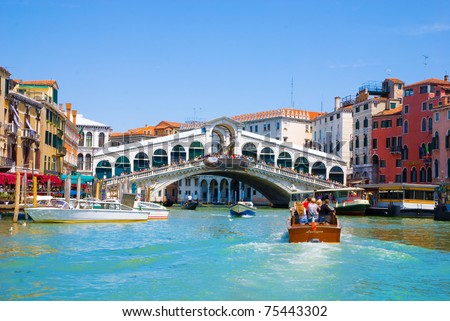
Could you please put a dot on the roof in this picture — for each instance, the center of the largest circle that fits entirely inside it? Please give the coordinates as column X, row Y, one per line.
column 81, row 121
column 389, row 112
column 165, row 124
column 283, row 112
column 434, row 81
column 50, row 83
column 4, row 71
column 148, row 130
column 396, row 80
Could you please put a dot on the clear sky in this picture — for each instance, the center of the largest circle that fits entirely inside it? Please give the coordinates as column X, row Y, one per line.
column 129, row 63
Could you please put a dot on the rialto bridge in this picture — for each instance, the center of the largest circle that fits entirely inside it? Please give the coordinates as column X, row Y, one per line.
column 270, row 166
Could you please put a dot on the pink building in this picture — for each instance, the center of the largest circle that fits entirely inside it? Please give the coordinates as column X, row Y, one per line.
column 441, row 137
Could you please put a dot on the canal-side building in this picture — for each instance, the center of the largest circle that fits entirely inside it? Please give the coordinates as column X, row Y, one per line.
column 333, row 131
column 387, row 146
column 132, row 135
column 93, row 136
column 372, row 98
column 5, row 162
column 422, row 103
column 70, row 140
column 34, row 108
column 287, row 125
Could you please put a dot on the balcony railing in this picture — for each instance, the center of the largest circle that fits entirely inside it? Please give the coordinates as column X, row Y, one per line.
column 6, row 162
column 61, row 151
column 29, row 134
column 11, row 128
column 396, row 149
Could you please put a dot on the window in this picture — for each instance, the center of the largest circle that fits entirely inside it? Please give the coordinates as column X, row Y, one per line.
column 388, row 142
column 382, row 163
column 356, row 142
column 424, row 106
column 375, row 125
column 265, row 127
column 423, row 89
column 448, row 114
column 424, row 125
column 357, row 109
column 447, row 141
column 251, row 128
column 409, row 92
column 374, row 143
column 398, row 163
column 89, row 139
column 101, row 140
column 268, row 126
column 365, row 141
column 406, row 109
column 278, row 125
column 430, row 106
column 399, row 122
column 365, row 159
column 366, row 106
column 393, row 105
column 405, row 127
column 399, row 86
column 430, row 124
column 398, row 178
column 436, row 116
column 382, row 179
column 256, row 128
column 413, row 175
column 357, row 124
column 366, row 123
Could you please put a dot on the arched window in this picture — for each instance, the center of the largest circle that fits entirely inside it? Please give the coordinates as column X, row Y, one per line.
column 101, row 139
column 141, row 162
column 424, row 124
column 436, row 168
column 178, row 154
column 89, row 139
column 430, row 124
column 356, row 142
column 122, row 166
column 405, row 152
column 447, row 140
column 160, row 158
column 413, row 175
column 405, row 127
column 366, row 122
column 81, row 139
column 365, row 140
column 249, row 150
column 365, row 159
column 80, row 162
column 284, row 160
column 88, row 162
column 196, row 150
column 423, row 175
column 436, row 140
column 404, row 175
column 301, row 165
column 267, row 155
column 448, row 168
column 357, row 124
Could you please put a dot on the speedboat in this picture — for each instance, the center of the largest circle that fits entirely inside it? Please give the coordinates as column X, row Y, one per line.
column 85, row 211
column 243, row 209
column 156, row 211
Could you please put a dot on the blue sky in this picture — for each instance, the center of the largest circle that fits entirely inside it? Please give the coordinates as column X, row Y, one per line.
column 132, row 63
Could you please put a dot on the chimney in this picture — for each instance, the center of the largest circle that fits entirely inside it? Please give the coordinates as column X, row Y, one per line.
column 337, row 102
column 74, row 117
column 60, row 107
column 68, row 108
column 446, row 77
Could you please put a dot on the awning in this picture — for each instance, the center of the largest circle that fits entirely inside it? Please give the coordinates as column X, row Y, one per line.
column 28, row 124
column 74, row 178
column 54, row 180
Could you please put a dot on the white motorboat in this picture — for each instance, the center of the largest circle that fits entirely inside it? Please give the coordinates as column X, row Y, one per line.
column 156, row 211
column 85, row 211
column 243, row 209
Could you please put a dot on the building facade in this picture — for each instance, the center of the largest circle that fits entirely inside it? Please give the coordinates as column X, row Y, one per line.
column 421, row 141
column 93, row 136
column 372, row 98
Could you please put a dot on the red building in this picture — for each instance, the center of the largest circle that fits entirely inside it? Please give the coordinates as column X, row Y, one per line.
column 419, row 100
column 387, row 145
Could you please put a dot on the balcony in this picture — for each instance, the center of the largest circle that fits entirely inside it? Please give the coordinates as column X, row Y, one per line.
column 29, row 134
column 60, row 152
column 396, row 149
column 11, row 129
column 373, row 88
column 6, row 163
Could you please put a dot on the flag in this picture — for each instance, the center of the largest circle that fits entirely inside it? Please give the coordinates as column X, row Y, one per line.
column 80, row 133
column 313, row 224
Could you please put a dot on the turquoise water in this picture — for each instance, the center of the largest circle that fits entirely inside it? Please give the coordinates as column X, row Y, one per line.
column 205, row 255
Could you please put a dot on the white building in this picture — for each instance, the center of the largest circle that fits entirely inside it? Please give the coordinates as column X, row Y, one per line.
column 93, row 136
column 333, row 131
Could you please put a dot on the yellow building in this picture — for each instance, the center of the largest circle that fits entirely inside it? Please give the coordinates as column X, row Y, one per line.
column 43, row 127
column 5, row 163
column 71, row 139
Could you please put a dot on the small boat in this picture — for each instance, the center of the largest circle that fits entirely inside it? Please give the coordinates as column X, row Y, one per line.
column 156, row 211
column 346, row 201
column 243, row 209
column 85, row 211
column 168, row 203
column 189, row 205
column 314, row 232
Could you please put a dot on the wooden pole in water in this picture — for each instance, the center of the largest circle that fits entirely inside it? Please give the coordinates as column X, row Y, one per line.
column 97, row 189
column 34, row 191
column 17, row 198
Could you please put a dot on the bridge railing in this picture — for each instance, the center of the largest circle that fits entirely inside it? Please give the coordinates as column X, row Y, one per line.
column 311, row 179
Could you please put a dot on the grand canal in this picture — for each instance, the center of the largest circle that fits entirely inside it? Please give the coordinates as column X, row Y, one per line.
column 205, row 255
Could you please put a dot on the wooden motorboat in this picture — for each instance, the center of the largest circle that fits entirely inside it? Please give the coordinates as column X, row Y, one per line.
column 328, row 231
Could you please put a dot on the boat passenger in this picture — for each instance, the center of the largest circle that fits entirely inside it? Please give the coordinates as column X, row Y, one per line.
column 313, row 210
column 327, row 212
